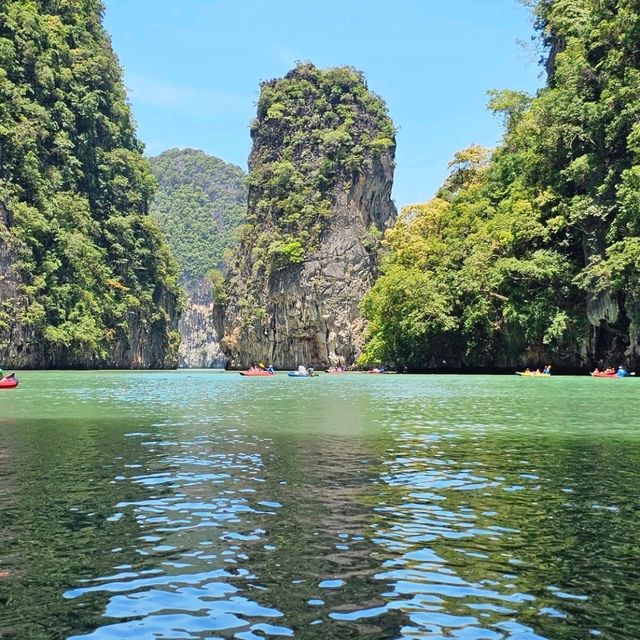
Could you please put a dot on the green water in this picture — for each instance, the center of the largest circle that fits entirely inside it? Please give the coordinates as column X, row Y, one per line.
column 206, row 505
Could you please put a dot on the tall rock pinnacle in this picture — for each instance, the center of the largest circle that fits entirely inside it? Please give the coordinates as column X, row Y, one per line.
column 320, row 178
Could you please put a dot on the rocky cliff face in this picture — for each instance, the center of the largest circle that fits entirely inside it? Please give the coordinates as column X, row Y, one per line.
column 321, row 172
column 200, row 342
column 13, row 337
column 144, row 342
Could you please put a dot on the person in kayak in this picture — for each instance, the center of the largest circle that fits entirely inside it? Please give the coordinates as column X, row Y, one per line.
column 622, row 372
column 547, row 370
column 302, row 370
column 270, row 369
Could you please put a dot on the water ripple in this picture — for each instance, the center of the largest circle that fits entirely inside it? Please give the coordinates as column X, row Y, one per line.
column 392, row 507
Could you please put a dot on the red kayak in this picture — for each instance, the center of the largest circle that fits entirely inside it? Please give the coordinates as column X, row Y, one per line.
column 257, row 373
column 9, row 382
column 602, row 374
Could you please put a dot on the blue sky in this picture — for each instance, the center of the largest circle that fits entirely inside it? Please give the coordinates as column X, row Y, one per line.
column 193, row 68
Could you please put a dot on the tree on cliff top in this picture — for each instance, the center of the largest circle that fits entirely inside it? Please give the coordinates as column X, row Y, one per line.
column 75, row 191
column 200, row 203
column 537, row 256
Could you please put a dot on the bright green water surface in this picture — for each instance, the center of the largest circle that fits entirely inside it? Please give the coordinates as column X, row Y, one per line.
column 206, row 505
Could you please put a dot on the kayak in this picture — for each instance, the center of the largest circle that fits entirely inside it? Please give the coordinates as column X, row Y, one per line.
column 602, row 374
column 533, row 374
column 257, row 374
column 379, row 371
column 297, row 374
column 335, row 371
column 8, row 383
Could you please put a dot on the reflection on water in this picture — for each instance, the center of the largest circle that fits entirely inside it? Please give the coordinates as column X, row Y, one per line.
column 202, row 505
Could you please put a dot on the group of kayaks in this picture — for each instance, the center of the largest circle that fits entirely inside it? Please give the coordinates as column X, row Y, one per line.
column 252, row 373
column 11, row 381
column 302, row 372
column 268, row 372
column 621, row 372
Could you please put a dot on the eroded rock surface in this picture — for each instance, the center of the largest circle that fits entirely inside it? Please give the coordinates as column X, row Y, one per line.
column 300, row 274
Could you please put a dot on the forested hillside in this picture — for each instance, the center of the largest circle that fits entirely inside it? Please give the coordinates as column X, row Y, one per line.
column 86, row 277
column 531, row 253
column 200, row 203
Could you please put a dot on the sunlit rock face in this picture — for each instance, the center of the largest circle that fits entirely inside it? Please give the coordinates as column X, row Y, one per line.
column 320, row 179
column 200, row 342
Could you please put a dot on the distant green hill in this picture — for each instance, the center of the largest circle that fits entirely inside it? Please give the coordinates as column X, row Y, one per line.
column 200, row 203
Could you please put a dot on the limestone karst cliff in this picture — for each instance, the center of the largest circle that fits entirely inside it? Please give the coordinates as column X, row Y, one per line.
column 200, row 203
column 320, row 178
column 200, row 341
column 86, row 279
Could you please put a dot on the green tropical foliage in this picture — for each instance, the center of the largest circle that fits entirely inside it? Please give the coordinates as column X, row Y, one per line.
column 74, row 193
column 315, row 129
column 532, row 252
column 200, row 203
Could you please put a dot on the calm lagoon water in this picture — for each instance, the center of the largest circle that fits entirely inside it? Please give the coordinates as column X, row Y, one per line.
column 183, row 505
